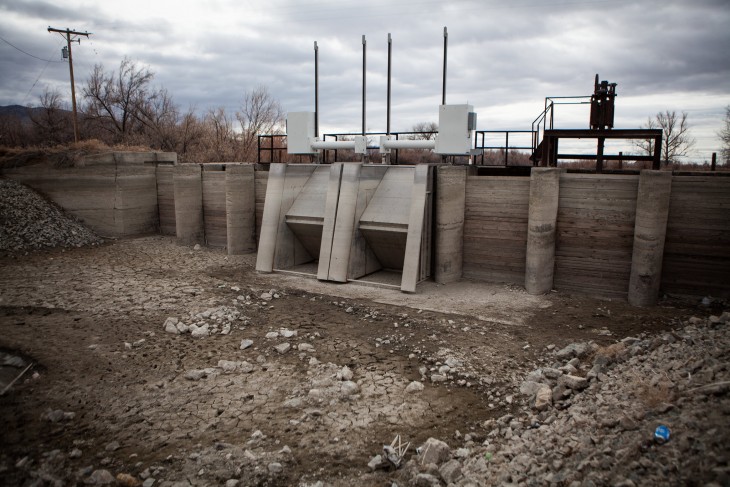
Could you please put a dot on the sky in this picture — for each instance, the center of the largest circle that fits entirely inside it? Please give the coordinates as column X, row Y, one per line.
column 504, row 56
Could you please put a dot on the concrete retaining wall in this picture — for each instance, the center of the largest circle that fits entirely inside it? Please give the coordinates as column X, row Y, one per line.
column 214, row 205
column 697, row 247
column 596, row 237
column 114, row 193
column 495, row 228
column 261, row 179
column 595, row 233
column 601, row 247
column 166, row 199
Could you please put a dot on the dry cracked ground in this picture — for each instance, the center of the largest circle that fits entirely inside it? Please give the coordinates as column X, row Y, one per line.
column 157, row 364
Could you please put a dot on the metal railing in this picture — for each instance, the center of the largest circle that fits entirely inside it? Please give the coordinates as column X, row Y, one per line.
column 506, row 147
column 546, row 119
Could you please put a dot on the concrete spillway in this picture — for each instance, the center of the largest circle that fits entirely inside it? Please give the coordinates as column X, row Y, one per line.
column 352, row 219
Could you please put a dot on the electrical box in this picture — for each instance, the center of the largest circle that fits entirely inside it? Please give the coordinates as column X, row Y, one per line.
column 361, row 144
column 456, row 125
column 300, row 132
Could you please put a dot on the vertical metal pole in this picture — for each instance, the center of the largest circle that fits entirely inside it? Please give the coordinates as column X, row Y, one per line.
column 443, row 85
column 714, row 161
column 506, row 148
column 364, row 67
column 316, row 90
column 387, row 125
column 657, row 162
column 620, row 160
column 599, row 156
column 73, row 89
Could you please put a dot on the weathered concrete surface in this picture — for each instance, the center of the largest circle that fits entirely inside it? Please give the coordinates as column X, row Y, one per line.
column 290, row 251
column 214, row 205
column 495, row 228
column 306, row 214
column 135, row 200
column 449, row 208
column 187, row 180
column 328, row 223
column 166, row 199
column 595, row 237
column 418, row 245
column 384, row 223
column 543, row 212
column 114, row 193
column 696, row 257
column 240, row 208
column 361, row 184
column 270, row 219
column 652, row 210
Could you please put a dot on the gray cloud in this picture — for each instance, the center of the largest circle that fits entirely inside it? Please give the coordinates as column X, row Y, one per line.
column 504, row 57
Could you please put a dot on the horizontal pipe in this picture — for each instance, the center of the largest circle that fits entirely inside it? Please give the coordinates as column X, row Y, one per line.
column 334, row 144
column 409, row 144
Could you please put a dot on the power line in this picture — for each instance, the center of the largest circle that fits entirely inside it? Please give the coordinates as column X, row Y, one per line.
column 39, row 77
column 27, row 53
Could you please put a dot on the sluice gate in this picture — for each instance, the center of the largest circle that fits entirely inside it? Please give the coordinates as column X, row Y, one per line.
column 349, row 222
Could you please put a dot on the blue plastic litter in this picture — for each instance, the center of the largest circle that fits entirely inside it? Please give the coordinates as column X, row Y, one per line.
column 661, row 434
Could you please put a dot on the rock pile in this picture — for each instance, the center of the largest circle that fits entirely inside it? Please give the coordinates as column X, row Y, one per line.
column 212, row 321
column 592, row 418
column 30, row 222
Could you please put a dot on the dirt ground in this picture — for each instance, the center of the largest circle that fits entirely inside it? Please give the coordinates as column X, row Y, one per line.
column 160, row 405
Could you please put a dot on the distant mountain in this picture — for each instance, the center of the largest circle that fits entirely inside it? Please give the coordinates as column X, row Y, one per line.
column 19, row 111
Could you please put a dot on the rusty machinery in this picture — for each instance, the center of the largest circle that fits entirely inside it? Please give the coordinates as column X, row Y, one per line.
column 602, row 105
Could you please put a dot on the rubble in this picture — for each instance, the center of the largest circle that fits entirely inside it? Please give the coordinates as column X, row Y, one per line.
column 30, row 222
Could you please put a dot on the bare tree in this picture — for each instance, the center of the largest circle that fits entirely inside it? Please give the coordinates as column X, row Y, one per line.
column 676, row 140
column 260, row 114
column 426, row 130
column 115, row 100
column 220, row 136
column 724, row 135
column 51, row 120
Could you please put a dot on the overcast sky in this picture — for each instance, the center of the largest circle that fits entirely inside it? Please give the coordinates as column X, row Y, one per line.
column 504, row 56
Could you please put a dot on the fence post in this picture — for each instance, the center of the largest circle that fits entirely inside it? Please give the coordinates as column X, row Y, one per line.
column 714, row 161
column 620, row 160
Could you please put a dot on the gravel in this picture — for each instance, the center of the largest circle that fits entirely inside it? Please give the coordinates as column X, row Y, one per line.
column 30, row 222
column 600, row 429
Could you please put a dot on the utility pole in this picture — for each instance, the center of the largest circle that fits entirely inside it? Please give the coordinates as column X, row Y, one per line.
column 68, row 33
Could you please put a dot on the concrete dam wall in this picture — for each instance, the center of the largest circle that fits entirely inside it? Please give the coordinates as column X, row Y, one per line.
column 622, row 236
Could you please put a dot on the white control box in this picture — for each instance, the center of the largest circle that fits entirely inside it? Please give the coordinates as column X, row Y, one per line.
column 456, row 126
column 300, row 132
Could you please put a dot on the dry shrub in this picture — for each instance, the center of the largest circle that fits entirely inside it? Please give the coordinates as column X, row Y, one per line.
column 611, row 352
column 651, row 391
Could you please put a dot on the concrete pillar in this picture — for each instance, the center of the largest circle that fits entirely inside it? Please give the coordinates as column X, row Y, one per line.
column 188, row 187
column 328, row 222
column 650, row 229
column 412, row 260
column 270, row 221
column 541, row 228
column 344, row 224
column 240, row 209
column 450, row 205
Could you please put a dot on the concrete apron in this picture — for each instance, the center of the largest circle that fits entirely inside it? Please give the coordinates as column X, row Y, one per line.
column 349, row 223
